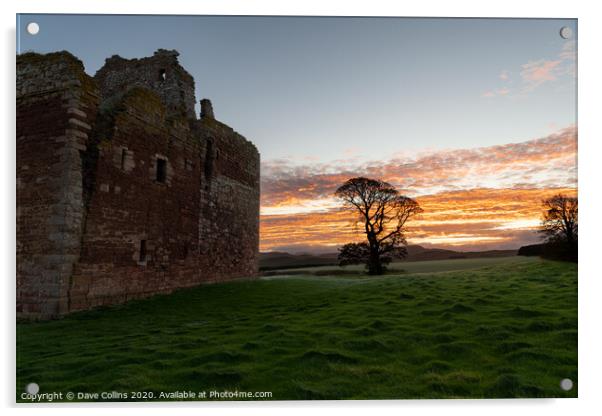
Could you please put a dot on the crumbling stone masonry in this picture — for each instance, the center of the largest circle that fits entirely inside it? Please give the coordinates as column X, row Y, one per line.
column 122, row 192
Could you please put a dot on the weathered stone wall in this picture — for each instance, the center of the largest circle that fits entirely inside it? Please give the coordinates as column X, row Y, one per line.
column 56, row 106
column 128, row 204
column 229, row 219
column 160, row 73
column 130, row 197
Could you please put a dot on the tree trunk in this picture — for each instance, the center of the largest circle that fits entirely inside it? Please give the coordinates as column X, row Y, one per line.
column 375, row 266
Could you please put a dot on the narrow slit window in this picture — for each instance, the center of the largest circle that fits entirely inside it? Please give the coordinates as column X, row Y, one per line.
column 123, row 156
column 209, row 157
column 185, row 251
column 142, row 257
column 161, row 170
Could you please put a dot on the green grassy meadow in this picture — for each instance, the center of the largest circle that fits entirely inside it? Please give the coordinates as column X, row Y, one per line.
column 478, row 328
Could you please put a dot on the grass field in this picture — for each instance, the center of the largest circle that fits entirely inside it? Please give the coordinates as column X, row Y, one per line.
column 441, row 329
column 410, row 267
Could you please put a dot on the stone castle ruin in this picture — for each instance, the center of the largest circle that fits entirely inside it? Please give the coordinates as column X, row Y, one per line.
column 122, row 192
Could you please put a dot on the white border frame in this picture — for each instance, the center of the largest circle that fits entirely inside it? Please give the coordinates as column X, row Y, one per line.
column 590, row 346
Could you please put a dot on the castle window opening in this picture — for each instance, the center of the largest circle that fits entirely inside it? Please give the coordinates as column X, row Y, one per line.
column 209, row 160
column 142, row 255
column 123, row 156
column 161, row 170
column 185, row 251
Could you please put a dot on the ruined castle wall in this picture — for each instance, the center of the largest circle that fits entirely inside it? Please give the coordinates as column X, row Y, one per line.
column 229, row 217
column 160, row 73
column 131, row 210
column 56, row 107
column 121, row 192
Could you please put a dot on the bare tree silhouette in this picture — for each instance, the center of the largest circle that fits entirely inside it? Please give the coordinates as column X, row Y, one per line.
column 383, row 213
column 559, row 227
column 560, row 218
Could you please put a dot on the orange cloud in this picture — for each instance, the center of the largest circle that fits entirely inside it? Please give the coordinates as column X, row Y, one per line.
column 494, row 93
column 535, row 73
column 465, row 220
column 569, row 51
column 541, row 163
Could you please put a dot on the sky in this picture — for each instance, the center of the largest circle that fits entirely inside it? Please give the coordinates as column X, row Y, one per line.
column 475, row 118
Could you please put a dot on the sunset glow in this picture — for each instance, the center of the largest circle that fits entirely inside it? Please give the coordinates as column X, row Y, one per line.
column 473, row 199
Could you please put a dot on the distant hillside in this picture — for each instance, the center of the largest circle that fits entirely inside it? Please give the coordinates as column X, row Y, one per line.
column 282, row 260
column 419, row 253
